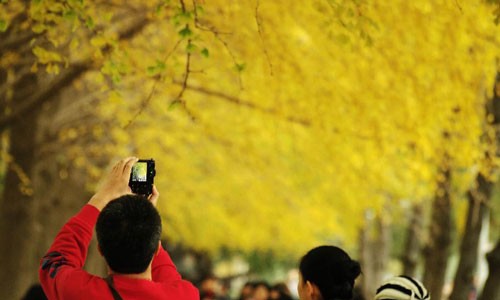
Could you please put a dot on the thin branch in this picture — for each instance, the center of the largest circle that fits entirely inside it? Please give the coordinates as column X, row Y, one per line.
column 204, row 27
column 147, row 100
column 459, row 6
column 186, row 75
column 184, row 85
column 238, row 101
column 259, row 29
column 217, row 36
column 335, row 11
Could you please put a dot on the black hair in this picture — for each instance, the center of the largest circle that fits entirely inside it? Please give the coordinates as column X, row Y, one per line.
column 262, row 283
column 128, row 231
column 331, row 270
column 35, row 292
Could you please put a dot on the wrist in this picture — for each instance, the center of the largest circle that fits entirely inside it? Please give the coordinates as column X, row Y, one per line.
column 97, row 202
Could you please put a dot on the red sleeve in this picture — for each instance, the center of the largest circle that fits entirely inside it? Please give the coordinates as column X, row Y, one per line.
column 163, row 268
column 67, row 254
column 164, row 271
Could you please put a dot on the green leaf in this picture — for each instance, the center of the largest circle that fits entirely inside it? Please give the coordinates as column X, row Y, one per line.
column 90, row 23
column 158, row 8
column 174, row 104
column 240, row 67
column 155, row 69
column 160, row 65
column 185, row 32
column 69, row 15
column 151, row 70
column 190, row 48
column 3, row 26
column 204, row 52
column 116, row 78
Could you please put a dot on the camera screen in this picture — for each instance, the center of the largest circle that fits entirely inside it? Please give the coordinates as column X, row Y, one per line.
column 140, row 172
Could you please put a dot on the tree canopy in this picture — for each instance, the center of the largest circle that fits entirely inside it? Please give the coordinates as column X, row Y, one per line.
column 275, row 125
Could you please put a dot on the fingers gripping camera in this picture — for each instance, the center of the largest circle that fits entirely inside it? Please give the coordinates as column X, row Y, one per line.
column 142, row 177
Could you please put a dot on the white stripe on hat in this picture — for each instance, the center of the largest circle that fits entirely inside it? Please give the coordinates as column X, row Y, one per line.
column 402, row 288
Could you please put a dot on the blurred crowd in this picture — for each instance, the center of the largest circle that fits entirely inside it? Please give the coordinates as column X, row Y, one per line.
column 212, row 288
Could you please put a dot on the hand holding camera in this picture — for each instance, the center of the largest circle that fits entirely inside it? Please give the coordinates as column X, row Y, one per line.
column 130, row 175
column 115, row 184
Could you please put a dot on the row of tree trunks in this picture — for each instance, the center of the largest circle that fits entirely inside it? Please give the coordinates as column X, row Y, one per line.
column 464, row 281
column 437, row 251
column 491, row 288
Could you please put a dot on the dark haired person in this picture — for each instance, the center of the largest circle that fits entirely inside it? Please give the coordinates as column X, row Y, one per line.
column 325, row 273
column 128, row 233
column 261, row 290
column 35, row 292
column 280, row 291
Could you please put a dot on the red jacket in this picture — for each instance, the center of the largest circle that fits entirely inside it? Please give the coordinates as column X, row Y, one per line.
column 62, row 276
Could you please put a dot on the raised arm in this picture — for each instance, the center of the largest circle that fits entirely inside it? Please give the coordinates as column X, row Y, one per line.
column 62, row 266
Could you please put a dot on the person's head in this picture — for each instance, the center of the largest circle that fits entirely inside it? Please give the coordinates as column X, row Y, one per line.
column 246, row 290
column 260, row 290
column 209, row 287
column 402, row 288
column 327, row 272
column 280, row 291
column 128, row 233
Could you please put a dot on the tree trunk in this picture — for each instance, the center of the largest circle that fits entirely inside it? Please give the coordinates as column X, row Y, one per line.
column 60, row 186
column 374, row 254
column 35, row 201
column 464, row 278
column 17, row 209
column 412, row 246
column 438, row 249
column 491, row 290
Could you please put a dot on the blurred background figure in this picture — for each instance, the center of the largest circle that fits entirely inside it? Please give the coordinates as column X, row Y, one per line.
column 261, row 291
column 209, row 288
column 213, row 288
column 280, row 291
column 246, row 291
column 35, row 292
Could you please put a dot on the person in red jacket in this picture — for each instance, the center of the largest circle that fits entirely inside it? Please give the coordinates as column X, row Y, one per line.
column 128, row 230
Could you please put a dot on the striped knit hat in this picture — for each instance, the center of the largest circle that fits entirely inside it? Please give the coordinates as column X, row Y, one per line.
column 402, row 288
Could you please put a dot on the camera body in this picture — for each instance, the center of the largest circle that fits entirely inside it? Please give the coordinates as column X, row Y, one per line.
column 142, row 177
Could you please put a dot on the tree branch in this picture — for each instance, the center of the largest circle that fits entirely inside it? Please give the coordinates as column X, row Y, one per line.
column 259, row 29
column 146, row 101
column 16, row 40
column 64, row 79
column 238, row 101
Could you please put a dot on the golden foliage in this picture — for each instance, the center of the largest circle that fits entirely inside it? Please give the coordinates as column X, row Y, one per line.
column 276, row 124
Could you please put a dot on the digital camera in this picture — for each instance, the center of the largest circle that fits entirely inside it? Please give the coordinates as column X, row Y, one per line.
column 142, row 177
